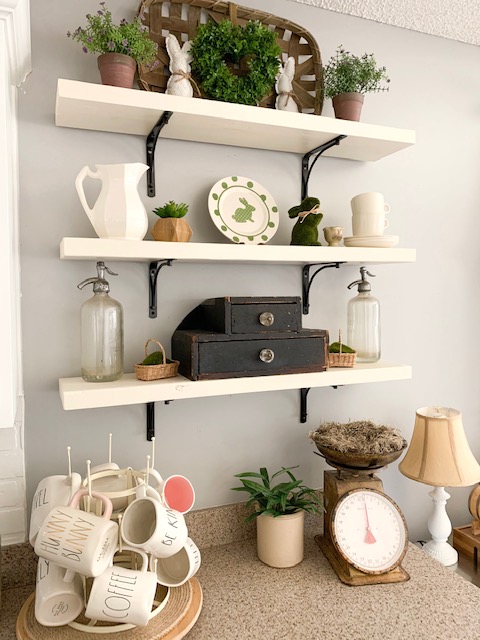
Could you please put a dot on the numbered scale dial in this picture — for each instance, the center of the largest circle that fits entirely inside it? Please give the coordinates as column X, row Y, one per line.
column 369, row 531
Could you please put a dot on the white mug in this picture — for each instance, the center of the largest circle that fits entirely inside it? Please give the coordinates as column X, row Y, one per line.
column 148, row 525
column 52, row 491
column 369, row 224
column 56, row 602
column 176, row 491
column 118, row 485
column 177, row 569
column 123, row 595
column 79, row 541
column 370, row 202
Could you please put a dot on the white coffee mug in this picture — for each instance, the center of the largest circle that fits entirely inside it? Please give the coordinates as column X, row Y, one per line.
column 56, row 602
column 148, row 525
column 369, row 224
column 177, row 569
column 176, row 491
column 52, row 491
column 79, row 541
column 123, row 595
column 370, row 202
column 118, row 485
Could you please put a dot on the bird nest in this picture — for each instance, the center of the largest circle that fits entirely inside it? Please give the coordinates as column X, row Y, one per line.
column 360, row 444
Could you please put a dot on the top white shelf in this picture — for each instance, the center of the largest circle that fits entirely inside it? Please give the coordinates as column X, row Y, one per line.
column 99, row 107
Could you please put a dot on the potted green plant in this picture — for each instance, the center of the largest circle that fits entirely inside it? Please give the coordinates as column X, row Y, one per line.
column 121, row 47
column 279, row 511
column 171, row 227
column 348, row 77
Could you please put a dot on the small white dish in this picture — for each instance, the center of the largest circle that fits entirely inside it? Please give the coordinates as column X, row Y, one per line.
column 371, row 241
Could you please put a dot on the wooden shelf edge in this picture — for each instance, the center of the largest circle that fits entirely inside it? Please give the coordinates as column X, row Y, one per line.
column 75, row 393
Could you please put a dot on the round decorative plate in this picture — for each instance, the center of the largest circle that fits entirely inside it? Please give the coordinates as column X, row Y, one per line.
column 243, row 210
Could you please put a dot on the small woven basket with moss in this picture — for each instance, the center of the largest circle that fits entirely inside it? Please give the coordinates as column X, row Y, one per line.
column 165, row 369
column 344, row 357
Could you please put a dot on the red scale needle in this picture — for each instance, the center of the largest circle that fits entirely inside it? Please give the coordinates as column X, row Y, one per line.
column 369, row 538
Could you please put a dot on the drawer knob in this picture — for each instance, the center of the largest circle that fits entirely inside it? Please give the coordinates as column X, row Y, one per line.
column 266, row 355
column 266, row 319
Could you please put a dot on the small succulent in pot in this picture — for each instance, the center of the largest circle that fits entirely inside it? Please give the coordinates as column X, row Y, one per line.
column 279, row 499
column 171, row 227
column 172, row 210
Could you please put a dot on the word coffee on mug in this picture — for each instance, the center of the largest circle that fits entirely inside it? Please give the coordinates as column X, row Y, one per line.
column 123, row 595
column 370, row 202
column 77, row 540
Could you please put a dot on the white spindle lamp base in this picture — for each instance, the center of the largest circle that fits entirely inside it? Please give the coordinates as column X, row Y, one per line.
column 440, row 528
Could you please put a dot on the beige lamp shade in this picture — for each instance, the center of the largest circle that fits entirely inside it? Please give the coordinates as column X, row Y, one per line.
column 439, row 454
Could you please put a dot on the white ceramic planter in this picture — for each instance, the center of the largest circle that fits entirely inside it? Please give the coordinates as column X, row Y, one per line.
column 280, row 540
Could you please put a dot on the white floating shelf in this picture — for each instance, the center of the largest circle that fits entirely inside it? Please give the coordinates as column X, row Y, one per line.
column 75, row 393
column 99, row 107
column 145, row 250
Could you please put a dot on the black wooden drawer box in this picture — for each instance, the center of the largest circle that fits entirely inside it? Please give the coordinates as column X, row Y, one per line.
column 233, row 315
column 209, row 356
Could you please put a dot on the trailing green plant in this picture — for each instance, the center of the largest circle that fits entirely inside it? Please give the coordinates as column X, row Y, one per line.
column 346, row 72
column 219, row 49
column 280, row 499
column 171, row 210
column 102, row 36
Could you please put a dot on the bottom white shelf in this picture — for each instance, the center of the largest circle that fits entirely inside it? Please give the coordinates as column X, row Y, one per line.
column 75, row 393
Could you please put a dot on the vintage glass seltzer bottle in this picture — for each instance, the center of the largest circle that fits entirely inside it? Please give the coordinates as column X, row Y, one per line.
column 101, row 331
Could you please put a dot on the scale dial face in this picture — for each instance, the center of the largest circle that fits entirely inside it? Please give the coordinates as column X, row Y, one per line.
column 369, row 531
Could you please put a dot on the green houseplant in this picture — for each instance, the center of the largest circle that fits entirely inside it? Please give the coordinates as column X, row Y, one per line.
column 279, row 511
column 121, row 47
column 171, row 227
column 348, row 77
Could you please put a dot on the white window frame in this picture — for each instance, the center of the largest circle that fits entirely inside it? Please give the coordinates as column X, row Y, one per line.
column 15, row 64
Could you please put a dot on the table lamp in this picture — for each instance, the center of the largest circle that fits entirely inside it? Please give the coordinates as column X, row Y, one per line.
column 439, row 455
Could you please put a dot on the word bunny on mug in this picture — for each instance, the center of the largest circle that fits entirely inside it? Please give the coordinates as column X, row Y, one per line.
column 286, row 100
column 180, row 58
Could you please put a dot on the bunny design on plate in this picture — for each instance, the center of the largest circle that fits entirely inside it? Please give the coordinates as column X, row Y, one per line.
column 286, row 99
column 179, row 83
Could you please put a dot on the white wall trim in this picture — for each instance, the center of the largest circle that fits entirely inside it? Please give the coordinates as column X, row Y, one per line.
column 15, row 64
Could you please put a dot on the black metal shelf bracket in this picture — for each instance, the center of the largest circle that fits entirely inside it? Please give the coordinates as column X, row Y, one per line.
column 303, row 402
column 317, row 152
column 307, row 281
column 151, row 418
column 151, row 144
column 153, row 270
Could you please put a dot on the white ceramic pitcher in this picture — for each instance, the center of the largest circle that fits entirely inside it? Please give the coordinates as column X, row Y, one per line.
column 118, row 212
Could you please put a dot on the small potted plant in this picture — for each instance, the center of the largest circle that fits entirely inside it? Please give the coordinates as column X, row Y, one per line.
column 348, row 77
column 279, row 511
column 121, row 47
column 171, row 227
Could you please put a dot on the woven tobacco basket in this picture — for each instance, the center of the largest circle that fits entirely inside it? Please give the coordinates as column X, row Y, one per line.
column 156, row 371
column 182, row 17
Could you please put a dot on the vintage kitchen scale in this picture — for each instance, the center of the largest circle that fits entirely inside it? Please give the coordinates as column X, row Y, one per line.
column 365, row 534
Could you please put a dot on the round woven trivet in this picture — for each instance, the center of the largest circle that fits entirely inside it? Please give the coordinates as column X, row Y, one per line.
column 172, row 623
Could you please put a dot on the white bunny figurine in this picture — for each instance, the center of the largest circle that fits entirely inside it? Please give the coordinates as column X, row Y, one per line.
column 180, row 58
column 284, row 88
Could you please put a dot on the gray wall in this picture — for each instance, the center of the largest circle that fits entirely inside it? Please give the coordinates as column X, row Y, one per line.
column 430, row 308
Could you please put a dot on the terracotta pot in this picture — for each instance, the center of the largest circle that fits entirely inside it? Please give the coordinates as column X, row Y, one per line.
column 280, row 540
column 348, row 106
column 171, row 230
column 117, row 69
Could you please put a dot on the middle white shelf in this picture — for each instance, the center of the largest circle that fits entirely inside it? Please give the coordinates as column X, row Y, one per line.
column 75, row 393
column 146, row 250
